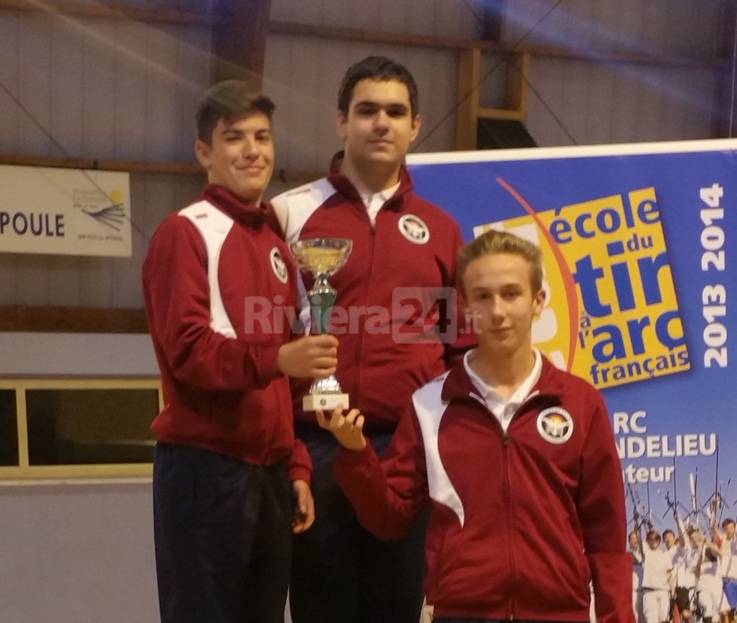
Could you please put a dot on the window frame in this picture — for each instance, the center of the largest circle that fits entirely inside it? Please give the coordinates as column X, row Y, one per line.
column 24, row 472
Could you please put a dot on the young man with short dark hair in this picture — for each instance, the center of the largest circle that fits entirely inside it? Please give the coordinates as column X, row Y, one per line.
column 227, row 470
column 515, row 459
column 401, row 271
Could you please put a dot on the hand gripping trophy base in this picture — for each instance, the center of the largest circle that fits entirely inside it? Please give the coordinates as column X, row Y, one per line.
column 322, row 257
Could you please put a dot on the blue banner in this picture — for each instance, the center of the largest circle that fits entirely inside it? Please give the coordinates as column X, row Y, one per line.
column 640, row 272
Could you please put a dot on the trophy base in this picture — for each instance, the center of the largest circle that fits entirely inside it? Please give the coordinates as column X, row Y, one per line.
column 324, row 402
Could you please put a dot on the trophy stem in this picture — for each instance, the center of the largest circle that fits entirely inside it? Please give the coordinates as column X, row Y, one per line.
column 322, row 299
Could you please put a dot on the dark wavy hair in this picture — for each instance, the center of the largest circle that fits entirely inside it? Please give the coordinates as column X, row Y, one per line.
column 376, row 68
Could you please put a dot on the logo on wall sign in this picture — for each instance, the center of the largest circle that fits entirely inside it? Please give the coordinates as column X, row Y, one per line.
column 414, row 229
column 111, row 214
column 278, row 265
column 555, row 425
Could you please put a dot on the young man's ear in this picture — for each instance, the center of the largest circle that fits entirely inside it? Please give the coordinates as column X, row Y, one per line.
column 341, row 120
column 539, row 302
column 202, row 151
column 416, row 125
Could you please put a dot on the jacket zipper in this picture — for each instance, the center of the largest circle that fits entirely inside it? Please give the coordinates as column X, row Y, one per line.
column 508, row 495
column 508, row 499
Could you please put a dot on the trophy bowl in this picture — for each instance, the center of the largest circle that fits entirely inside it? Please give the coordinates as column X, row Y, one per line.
column 322, row 257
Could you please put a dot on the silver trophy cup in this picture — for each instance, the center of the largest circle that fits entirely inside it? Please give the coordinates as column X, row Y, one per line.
column 322, row 257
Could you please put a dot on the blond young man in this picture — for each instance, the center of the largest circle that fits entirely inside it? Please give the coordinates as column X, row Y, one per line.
column 515, row 459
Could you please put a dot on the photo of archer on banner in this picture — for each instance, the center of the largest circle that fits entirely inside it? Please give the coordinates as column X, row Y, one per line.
column 635, row 241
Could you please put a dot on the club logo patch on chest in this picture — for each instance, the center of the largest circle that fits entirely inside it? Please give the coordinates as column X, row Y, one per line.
column 555, row 425
column 414, row 229
column 278, row 265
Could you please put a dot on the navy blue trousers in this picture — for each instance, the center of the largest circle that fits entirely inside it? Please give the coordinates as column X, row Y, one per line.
column 341, row 573
column 223, row 537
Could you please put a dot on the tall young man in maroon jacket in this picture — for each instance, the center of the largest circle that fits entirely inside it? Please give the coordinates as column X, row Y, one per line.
column 404, row 253
column 516, row 460
column 226, row 453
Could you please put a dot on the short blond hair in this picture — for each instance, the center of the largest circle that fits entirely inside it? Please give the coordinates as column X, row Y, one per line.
column 494, row 242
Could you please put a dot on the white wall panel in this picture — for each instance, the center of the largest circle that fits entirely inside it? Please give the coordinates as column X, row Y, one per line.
column 78, row 554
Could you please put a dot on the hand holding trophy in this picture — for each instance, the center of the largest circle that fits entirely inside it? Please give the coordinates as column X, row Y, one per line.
column 322, row 257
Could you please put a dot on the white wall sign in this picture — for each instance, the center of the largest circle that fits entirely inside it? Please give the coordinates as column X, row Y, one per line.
column 64, row 211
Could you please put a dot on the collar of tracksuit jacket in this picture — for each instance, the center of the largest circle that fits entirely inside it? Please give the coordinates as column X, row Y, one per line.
column 346, row 188
column 548, row 389
column 251, row 214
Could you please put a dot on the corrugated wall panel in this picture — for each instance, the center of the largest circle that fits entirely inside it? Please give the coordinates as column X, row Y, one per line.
column 666, row 27
column 104, row 89
column 131, row 83
column 32, row 82
column 8, row 278
column 443, row 18
column 602, row 103
column 9, row 51
column 436, row 75
column 65, row 281
column 98, row 89
column 66, row 96
column 101, row 88
column 32, row 286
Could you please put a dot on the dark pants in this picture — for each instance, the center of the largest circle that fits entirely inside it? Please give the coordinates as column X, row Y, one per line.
column 222, row 531
column 341, row 573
